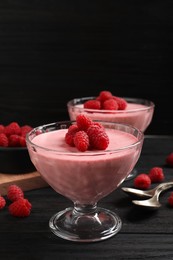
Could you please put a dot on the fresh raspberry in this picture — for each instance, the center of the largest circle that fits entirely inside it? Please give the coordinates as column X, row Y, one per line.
column 97, row 137
column 3, row 140
column 142, row 181
column 12, row 128
column 98, row 98
column 14, row 140
column 83, row 122
column 104, row 95
column 14, row 192
column 2, row 127
column 156, row 174
column 98, row 124
column 110, row 104
column 122, row 103
column 69, row 137
column 93, row 130
column 169, row 159
column 81, row 141
column 25, row 129
column 22, row 141
column 92, row 104
column 170, row 199
column 20, row 208
column 79, row 136
column 73, row 129
column 2, row 202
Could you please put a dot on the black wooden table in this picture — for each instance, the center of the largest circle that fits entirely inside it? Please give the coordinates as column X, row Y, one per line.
column 145, row 234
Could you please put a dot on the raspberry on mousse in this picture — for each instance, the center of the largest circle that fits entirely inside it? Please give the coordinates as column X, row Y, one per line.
column 87, row 134
column 106, row 101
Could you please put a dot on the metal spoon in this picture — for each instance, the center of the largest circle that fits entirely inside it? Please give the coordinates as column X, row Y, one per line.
column 153, row 202
column 147, row 193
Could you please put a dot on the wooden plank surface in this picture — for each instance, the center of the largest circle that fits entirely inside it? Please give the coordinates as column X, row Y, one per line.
column 27, row 181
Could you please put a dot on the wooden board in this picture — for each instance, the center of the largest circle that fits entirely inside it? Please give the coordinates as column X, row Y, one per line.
column 26, row 181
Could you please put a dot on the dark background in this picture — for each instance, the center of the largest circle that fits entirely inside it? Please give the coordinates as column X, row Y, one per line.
column 52, row 51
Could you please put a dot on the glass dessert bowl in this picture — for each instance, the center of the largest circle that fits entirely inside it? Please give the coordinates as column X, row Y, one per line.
column 138, row 113
column 84, row 177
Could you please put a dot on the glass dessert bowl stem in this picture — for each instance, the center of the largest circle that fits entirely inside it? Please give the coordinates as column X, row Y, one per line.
column 84, row 177
column 85, row 223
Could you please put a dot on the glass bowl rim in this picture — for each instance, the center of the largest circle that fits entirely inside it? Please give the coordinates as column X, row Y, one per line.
column 86, row 153
column 148, row 105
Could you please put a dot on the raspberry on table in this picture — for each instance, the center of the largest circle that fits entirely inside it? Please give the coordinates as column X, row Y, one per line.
column 2, row 202
column 169, row 159
column 20, row 208
column 170, row 199
column 156, row 174
column 92, row 104
column 3, row 140
column 142, row 181
column 81, row 141
column 14, row 192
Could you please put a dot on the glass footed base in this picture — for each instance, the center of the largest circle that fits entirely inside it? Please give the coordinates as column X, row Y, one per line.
column 132, row 175
column 90, row 226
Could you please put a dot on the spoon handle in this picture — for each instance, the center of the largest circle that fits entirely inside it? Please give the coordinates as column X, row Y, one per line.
column 154, row 201
column 148, row 193
column 164, row 186
column 137, row 192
